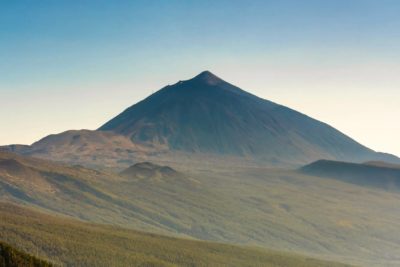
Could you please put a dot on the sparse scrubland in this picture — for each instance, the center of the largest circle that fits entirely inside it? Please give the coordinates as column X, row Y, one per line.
column 69, row 242
column 271, row 208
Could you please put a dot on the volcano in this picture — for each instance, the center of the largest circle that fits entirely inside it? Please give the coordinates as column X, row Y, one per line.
column 209, row 115
column 204, row 118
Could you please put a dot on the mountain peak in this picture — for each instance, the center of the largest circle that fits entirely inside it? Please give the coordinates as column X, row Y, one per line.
column 208, row 78
column 206, row 114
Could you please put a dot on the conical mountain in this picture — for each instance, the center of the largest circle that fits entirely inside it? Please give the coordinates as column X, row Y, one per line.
column 208, row 115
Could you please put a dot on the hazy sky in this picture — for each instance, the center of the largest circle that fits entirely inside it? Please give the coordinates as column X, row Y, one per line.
column 75, row 64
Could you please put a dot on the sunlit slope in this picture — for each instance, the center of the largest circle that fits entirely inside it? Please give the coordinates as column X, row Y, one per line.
column 73, row 243
column 84, row 147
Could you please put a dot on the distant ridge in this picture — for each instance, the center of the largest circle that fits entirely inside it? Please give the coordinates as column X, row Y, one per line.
column 382, row 164
column 385, row 176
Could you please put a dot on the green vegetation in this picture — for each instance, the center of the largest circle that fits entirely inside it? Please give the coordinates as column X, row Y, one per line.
column 271, row 208
column 73, row 243
column 11, row 257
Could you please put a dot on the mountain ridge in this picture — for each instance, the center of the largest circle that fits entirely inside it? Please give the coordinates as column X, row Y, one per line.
column 371, row 174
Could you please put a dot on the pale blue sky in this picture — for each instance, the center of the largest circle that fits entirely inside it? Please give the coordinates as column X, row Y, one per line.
column 69, row 64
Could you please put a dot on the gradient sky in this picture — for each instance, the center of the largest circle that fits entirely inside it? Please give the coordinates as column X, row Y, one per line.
column 75, row 64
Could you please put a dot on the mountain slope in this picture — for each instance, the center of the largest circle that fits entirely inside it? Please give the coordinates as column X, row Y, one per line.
column 272, row 208
column 73, row 191
column 380, row 175
column 208, row 115
column 85, row 147
column 73, row 243
column 11, row 257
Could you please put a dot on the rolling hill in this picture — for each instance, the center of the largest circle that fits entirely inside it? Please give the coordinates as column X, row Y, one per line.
column 373, row 174
column 147, row 170
column 70, row 242
column 273, row 208
column 147, row 173
column 84, row 147
column 76, row 191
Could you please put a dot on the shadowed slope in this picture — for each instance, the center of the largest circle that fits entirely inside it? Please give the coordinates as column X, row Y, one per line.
column 381, row 175
column 382, row 164
column 11, row 257
column 148, row 170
